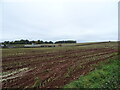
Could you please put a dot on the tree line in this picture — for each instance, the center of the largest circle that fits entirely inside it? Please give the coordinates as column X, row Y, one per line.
column 69, row 41
column 37, row 42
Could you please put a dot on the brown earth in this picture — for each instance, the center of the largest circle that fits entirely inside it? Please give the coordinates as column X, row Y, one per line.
column 53, row 67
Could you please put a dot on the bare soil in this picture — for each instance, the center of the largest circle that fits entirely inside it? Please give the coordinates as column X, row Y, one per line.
column 52, row 67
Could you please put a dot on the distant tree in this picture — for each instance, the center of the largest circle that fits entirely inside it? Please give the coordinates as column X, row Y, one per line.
column 61, row 42
column 38, row 42
column 6, row 42
column 50, row 42
column 27, row 42
column 33, row 41
column 41, row 42
column 46, row 42
column 11, row 42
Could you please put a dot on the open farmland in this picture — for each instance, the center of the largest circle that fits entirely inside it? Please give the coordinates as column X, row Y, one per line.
column 52, row 67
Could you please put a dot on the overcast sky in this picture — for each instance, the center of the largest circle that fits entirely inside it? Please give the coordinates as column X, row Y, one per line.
column 81, row 20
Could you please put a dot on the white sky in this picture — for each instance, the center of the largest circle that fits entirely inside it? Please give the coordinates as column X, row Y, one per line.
column 81, row 20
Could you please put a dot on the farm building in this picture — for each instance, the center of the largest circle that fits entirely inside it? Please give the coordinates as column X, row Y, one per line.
column 35, row 45
column 1, row 45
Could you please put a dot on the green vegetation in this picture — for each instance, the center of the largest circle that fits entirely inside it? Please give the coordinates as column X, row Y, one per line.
column 37, row 83
column 36, row 42
column 27, row 42
column 69, row 41
column 70, row 70
column 105, row 75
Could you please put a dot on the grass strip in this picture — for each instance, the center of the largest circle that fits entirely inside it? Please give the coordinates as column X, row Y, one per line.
column 105, row 75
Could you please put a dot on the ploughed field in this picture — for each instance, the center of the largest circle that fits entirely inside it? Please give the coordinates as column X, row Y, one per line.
column 51, row 67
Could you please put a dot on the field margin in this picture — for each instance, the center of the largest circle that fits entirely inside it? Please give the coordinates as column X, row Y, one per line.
column 99, row 74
